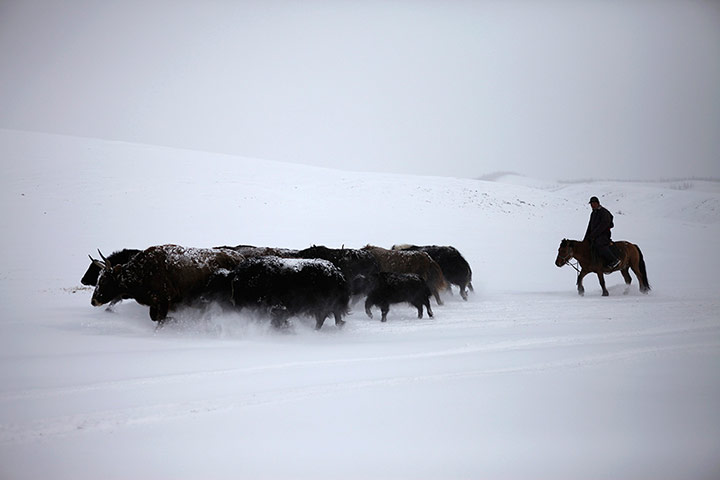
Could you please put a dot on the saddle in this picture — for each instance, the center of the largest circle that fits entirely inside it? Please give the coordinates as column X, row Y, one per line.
column 614, row 249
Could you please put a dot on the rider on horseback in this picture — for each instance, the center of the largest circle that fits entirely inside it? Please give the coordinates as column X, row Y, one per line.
column 598, row 232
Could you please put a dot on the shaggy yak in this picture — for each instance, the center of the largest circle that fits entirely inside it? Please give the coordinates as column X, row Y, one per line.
column 249, row 251
column 351, row 262
column 284, row 287
column 120, row 257
column 419, row 263
column 455, row 268
column 385, row 288
column 161, row 277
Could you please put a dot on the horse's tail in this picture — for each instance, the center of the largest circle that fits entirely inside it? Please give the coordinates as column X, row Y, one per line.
column 644, row 282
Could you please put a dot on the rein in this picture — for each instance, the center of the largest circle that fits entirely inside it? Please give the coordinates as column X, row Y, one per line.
column 573, row 265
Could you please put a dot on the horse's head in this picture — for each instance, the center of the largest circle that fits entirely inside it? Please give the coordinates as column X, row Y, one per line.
column 565, row 252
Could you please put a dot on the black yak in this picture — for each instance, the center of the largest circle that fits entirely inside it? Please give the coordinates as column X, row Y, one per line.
column 351, row 262
column 419, row 263
column 120, row 257
column 455, row 268
column 385, row 288
column 249, row 251
column 162, row 277
column 283, row 288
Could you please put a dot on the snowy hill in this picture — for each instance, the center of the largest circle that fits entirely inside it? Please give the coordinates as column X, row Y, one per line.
column 525, row 380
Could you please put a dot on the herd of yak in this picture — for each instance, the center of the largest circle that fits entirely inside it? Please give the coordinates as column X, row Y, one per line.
column 279, row 283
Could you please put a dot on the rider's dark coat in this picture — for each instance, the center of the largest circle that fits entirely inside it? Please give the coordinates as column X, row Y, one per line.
column 598, row 230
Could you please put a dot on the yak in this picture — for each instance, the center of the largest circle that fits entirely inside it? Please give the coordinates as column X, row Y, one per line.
column 161, row 276
column 248, row 251
column 283, row 288
column 455, row 268
column 121, row 257
column 386, row 288
column 418, row 263
column 351, row 262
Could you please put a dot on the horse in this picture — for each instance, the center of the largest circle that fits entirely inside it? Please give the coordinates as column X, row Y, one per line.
column 630, row 258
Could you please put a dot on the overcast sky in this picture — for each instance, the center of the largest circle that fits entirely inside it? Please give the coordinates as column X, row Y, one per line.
column 552, row 89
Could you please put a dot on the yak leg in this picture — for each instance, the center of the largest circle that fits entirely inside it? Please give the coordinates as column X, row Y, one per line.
column 279, row 317
column 419, row 307
column 319, row 320
column 436, row 294
column 427, row 306
column 338, row 319
column 368, row 306
column 463, row 292
column 384, row 309
column 580, row 288
column 159, row 311
column 601, row 279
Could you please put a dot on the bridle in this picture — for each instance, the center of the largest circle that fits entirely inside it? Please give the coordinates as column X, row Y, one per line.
column 566, row 260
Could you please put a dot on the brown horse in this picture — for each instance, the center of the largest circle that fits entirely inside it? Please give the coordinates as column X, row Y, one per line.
column 630, row 258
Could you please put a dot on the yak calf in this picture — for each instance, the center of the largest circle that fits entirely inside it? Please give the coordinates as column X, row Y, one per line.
column 386, row 288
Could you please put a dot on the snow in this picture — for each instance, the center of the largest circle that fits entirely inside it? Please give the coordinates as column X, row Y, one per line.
column 525, row 380
column 298, row 264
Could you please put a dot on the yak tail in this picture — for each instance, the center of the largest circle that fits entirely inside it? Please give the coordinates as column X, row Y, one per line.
column 644, row 282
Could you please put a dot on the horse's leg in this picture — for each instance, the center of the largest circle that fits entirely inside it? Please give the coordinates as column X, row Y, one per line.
column 580, row 288
column 640, row 270
column 601, row 279
column 628, row 279
column 637, row 273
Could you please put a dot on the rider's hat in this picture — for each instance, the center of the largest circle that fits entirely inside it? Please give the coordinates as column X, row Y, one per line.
column 594, row 199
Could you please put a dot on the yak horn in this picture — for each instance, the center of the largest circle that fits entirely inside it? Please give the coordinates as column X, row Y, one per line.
column 108, row 265
column 96, row 262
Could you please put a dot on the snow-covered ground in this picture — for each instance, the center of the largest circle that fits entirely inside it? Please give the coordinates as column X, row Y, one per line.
column 525, row 380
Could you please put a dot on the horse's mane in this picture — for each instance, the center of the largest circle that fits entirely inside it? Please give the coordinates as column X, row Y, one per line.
column 569, row 243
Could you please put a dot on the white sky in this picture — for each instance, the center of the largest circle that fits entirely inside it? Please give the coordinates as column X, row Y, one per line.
column 552, row 89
